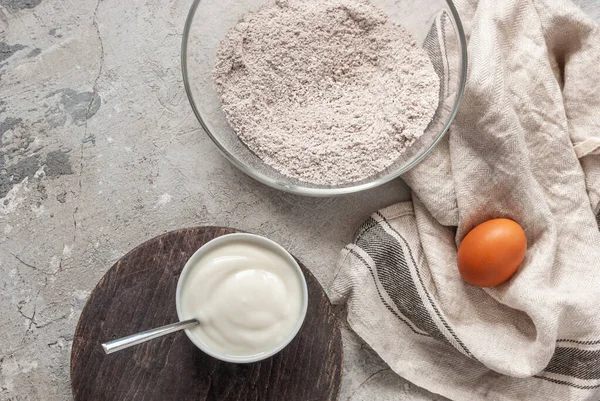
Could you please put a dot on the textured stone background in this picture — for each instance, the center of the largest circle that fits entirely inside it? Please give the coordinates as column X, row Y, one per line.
column 100, row 151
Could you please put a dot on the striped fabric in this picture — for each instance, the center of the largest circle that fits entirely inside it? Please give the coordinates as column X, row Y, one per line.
column 394, row 305
column 526, row 146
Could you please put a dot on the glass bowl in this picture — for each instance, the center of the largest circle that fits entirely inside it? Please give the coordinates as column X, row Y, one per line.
column 434, row 24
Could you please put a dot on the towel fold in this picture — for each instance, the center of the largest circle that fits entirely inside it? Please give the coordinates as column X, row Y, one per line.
column 525, row 146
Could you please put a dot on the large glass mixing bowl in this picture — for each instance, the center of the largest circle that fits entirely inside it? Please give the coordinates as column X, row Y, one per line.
column 434, row 24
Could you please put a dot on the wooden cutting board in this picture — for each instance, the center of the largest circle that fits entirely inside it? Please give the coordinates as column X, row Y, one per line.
column 138, row 293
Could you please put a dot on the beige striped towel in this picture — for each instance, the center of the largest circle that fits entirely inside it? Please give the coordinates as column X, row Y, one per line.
column 525, row 145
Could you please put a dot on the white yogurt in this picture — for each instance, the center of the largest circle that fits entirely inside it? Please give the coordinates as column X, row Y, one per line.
column 248, row 295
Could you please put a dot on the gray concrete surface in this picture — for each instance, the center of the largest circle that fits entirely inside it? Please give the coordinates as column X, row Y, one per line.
column 100, row 151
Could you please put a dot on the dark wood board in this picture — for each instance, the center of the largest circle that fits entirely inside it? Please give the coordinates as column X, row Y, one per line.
column 138, row 293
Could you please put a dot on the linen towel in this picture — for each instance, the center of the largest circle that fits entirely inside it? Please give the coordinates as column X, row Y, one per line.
column 525, row 145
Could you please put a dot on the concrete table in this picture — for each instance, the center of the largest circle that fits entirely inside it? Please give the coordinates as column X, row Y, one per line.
column 100, row 151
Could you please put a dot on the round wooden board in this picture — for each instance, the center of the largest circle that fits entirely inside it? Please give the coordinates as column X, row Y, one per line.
column 138, row 293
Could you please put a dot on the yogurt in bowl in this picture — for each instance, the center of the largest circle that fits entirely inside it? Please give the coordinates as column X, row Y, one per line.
column 249, row 295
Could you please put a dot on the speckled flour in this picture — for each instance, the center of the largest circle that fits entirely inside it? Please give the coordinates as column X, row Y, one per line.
column 326, row 91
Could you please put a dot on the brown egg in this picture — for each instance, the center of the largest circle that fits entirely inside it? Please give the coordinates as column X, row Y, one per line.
column 492, row 252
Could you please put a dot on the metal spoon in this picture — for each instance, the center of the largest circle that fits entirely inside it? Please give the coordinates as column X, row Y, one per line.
column 138, row 338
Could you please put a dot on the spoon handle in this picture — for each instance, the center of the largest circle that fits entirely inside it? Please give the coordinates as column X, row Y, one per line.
column 138, row 338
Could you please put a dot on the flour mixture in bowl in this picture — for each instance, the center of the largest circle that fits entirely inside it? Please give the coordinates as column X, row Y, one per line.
column 325, row 91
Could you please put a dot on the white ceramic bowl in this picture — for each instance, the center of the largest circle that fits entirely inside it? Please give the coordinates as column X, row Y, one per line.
column 268, row 244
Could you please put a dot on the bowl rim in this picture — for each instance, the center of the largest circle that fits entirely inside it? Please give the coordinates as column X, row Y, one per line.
column 324, row 192
column 268, row 243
